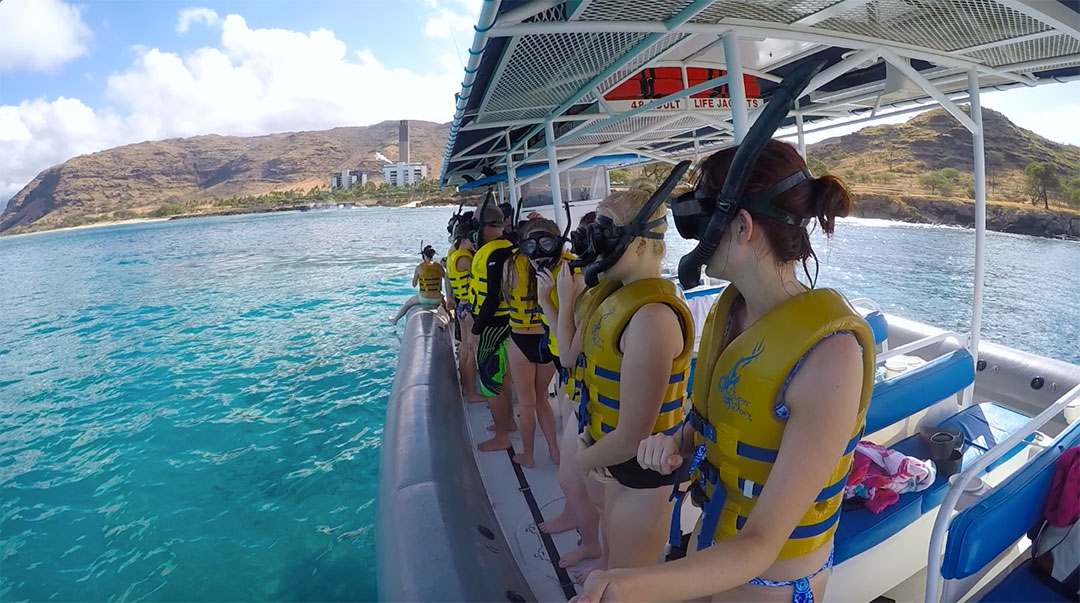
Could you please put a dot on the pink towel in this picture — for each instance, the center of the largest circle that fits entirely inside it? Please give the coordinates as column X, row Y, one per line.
column 880, row 475
column 1063, row 504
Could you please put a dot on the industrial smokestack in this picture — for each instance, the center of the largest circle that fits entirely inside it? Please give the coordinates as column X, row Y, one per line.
column 403, row 141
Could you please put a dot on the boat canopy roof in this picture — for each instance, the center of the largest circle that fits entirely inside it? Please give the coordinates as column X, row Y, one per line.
column 649, row 77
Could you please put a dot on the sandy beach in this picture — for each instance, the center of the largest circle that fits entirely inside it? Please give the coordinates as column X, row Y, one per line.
column 85, row 226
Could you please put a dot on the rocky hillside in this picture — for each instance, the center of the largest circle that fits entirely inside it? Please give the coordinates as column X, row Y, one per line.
column 132, row 180
column 884, row 165
column 890, row 159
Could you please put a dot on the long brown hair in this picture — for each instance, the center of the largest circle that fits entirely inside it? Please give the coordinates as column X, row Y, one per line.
column 510, row 274
column 825, row 198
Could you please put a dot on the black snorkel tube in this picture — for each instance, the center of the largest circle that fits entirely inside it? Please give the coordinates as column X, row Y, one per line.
column 640, row 226
column 478, row 219
column 730, row 198
column 451, row 226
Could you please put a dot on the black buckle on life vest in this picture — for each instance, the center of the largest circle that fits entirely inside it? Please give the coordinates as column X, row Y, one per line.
column 701, row 426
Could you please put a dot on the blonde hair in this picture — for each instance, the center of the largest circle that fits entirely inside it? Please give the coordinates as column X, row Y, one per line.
column 623, row 206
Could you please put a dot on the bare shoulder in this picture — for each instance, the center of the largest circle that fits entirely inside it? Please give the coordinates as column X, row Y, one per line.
column 654, row 327
column 833, row 367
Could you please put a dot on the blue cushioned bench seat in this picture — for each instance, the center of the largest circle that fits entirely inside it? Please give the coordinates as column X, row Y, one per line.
column 878, row 325
column 981, row 532
column 901, row 396
column 983, row 425
column 1022, row 585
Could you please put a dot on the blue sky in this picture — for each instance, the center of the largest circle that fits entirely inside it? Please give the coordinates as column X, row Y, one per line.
column 81, row 77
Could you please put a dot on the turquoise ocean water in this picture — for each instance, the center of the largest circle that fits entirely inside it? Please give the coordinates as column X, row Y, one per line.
column 192, row 410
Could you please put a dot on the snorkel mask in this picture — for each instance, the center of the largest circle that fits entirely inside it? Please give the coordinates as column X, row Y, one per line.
column 543, row 247
column 451, row 225
column 606, row 242
column 477, row 225
column 704, row 217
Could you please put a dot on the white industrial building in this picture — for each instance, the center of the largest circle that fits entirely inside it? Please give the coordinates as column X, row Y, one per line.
column 403, row 174
column 346, row 179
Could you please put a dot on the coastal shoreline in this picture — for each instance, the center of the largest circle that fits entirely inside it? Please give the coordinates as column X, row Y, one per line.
column 1013, row 218
column 103, row 224
column 1007, row 218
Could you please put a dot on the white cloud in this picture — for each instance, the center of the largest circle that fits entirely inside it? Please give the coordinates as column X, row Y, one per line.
column 41, row 35
column 255, row 81
column 188, row 16
column 450, row 27
column 36, row 134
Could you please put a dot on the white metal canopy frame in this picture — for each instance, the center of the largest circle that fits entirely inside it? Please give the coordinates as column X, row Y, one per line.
column 540, row 73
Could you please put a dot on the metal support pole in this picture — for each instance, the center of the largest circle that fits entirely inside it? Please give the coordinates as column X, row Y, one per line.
column 980, row 215
column 502, row 194
column 553, row 173
column 736, row 86
column 511, row 176
column 511, row 183
column 802, row 138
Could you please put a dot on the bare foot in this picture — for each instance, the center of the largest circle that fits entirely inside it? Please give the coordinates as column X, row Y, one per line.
column 524, row 461
column 578, row 555
column 581, row 577
column 563, row 522
column 491, row 427
column 495, row 443
column 554, row 455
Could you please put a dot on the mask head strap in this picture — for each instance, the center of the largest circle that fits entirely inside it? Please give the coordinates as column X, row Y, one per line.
column 640, row 226
column 761, row 203
column 742, row 164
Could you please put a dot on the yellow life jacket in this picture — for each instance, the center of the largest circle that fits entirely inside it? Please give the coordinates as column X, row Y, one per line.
column 589, row 301
column 553, row 343
column 736, row 401
column 525, row 312
column 603, row 361
column 431, row 276
column 459, row 280
column 478, row 279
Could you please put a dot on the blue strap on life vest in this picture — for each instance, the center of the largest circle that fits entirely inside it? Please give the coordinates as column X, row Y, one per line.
column 675, row 534
column 711, row 517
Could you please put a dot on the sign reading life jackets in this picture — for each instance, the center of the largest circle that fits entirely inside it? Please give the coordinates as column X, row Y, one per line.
column 657, row 82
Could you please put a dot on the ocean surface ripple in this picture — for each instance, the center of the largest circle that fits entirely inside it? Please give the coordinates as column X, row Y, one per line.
column 192, row 410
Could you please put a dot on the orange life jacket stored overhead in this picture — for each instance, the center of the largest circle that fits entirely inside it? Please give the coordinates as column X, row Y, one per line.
column 657, row 82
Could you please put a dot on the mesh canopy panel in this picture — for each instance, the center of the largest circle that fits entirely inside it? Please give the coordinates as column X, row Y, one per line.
column 1030, row 50
column 545, row 70
column 944, row 25
column 776, row 11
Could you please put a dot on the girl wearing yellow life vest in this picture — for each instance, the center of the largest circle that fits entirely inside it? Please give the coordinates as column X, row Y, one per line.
column 459, row 269
column 429, row 276
column 556, row 279
column 637, row 346
column 532, row 355
column 784, row 376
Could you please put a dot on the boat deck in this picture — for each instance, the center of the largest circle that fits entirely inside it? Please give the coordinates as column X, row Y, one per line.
column 509, row 487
